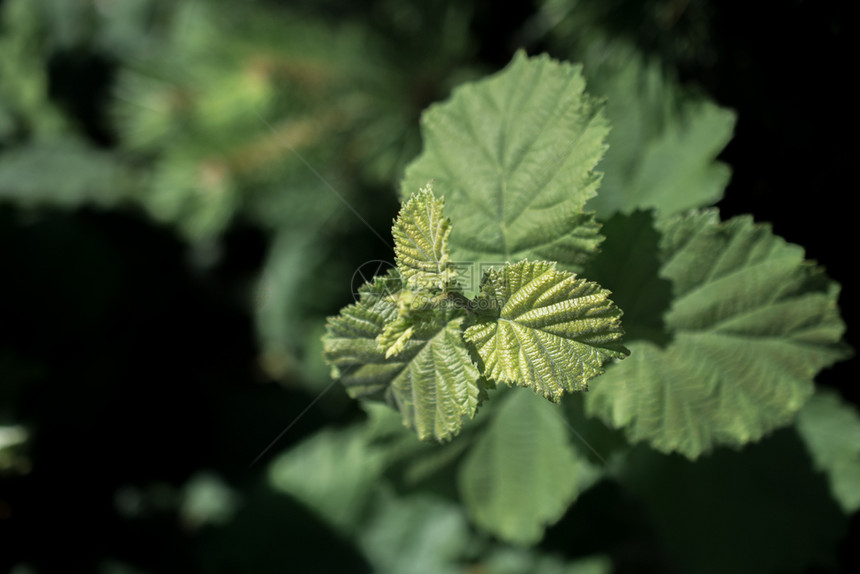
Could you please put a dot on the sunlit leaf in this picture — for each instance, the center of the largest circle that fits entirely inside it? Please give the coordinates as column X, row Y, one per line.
column 552, row 330
column 421, row 242
column 431, row 380
column 513, row 155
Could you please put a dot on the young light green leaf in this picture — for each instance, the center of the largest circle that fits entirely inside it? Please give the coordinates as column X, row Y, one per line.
column 522, row 473
column 514, row 156
column 431, row 379
column 830, row 428
column 395, row 335
column 664, row 142
column 421, row 242
column 553, row 330
column 752, row 322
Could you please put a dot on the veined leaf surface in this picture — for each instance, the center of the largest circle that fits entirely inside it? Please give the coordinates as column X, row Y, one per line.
column 752, row 322
column 513, row 155
column 553, row 331
column 431, row 380
column 421, row 242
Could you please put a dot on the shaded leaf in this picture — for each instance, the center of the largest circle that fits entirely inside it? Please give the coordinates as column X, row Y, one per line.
column 664, row 141
column 522, row 561
column 830, row 428
column 752, row 322
column 350, row 346
column 63, row 172
column 415, row 535
column 628, row 265
column 333, row 473
column 522, row 473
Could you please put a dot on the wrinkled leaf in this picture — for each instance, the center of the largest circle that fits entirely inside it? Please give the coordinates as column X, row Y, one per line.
column 553, row 331
column 421, row 242
column 513, row 155
column 431, row 380
column 752, row 323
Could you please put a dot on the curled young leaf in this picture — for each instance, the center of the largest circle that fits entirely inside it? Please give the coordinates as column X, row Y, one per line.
column 421, row 242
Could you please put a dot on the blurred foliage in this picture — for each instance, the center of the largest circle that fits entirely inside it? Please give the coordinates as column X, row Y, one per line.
column 186, row 189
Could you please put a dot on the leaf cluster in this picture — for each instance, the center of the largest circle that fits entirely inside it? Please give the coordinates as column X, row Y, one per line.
column 727, row 323
column 415, row 338
column 265, row 127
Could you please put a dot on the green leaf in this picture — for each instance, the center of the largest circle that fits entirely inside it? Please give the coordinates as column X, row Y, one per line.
column 439, row 385
column 664, row 141
column 286, row 291
column 333, row 473
column 431, row 380
column 395, row 335
column 415, row 535
column 830, row 427
column 421, row 242
column 752, row 322
column 553, row 330
column 522, row 473
column 513, row 155
column 350, row 345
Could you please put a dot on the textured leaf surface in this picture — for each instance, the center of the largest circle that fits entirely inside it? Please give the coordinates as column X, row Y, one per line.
column 752, row 322
column 350, row 345
column 431, row 381
column 513, row 155
column 831, row 430
column 395, row 335
column 522, row 473
column 553, row 330
column 421, row 242
column 663, row 143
